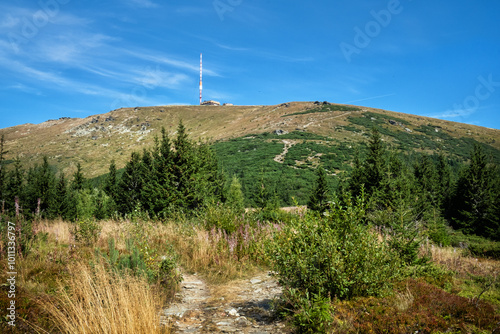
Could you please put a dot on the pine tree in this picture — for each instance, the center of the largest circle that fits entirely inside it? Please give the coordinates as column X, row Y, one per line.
column 475, row 200
column 320, row 197
column 444, row 182
column 111, row 182
column 358, row 176
column 130, row 185
column 159, row 190
column 79, row 181
column 375, row 163
column 15, row 185
column 60, row 203
column 40, row 186
column 427, row 182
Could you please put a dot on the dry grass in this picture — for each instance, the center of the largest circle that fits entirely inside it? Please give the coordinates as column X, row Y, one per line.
column 58, row 139
column 98, row 302
column 199, row 253
column 404, row 300
column 454, row 259
column 59, row 229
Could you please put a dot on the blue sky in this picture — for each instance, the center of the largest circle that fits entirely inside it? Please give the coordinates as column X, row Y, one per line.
column 78, row 58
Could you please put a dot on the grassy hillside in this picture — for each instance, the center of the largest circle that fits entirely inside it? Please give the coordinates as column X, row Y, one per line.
column 283, row 142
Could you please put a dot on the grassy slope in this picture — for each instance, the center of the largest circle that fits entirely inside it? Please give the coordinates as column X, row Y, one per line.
column 95, row 140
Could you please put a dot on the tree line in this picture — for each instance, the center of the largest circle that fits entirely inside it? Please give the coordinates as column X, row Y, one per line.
column 425, row 191
column 181, row 175
column 174, row 175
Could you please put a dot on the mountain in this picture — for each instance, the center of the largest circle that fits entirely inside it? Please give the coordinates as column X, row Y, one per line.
column 293, row 136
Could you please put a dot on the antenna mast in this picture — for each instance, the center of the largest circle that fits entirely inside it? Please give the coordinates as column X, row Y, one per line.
column 201, row 75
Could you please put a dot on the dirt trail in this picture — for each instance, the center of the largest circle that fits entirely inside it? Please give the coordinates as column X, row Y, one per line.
column 288, row 144
column 241, row 306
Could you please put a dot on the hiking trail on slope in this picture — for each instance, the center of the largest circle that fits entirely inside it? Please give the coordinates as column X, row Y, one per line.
column 240, row 306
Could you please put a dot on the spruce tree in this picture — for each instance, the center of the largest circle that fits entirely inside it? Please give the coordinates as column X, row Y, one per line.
column 40, row 186
column 320, row 197
column 159, row 190
column 375, row 163
column 427, row 182
column 111, row 182
column 184, row 168
column 475, row 200
column 130, row 185
column 15, row 185
column 78, row 179
column 358, row 176
column 444, row 182
column 60, row 201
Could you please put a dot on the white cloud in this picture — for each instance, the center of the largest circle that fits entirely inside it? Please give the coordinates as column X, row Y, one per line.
column 160, row 59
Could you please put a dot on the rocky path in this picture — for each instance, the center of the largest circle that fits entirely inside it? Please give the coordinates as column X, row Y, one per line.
column 280, row 158
column 242, row 306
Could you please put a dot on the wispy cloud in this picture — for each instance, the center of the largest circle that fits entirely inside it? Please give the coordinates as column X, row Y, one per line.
column 231, row 48
column 176, row 63
column 25, row 89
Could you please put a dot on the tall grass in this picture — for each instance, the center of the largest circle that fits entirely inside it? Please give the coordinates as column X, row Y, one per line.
column 96, row 301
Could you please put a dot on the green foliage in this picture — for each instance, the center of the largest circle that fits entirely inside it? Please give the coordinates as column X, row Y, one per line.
column 337, row 256
column 15, row 185
column 93, row 203
column 477, row 197
column 310, row 313
column 79, row 180
column 130, row 184
column 235, row 197
column 476, row 245
column 418, row 307
column 86, row 231
column 39, row 189
column 320, row 198
column 221, row 216
column 111, row 181
column 173, row 176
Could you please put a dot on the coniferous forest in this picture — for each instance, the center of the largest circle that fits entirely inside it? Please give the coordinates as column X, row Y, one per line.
column 180, row 175
column 371, row 238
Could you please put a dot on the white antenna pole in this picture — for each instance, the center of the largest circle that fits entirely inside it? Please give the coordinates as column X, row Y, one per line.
column 201, row 75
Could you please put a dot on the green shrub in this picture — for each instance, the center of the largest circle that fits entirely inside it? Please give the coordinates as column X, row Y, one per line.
column 221, row 216
column 86, row 231
column 476, row 245
column 418, row 307
column 235, row 197
column 310, row 313
column 135, row 261
column 336, row 256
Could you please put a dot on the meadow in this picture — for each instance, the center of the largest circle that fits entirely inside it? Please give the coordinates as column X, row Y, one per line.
column 118, row 278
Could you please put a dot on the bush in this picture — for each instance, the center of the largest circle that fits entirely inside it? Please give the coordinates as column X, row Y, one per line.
column 221, row 216
column 418, row 307
column 476, row 246
column 337, row 256
column 86, row 231
column 310, row 313
column 134, row 261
